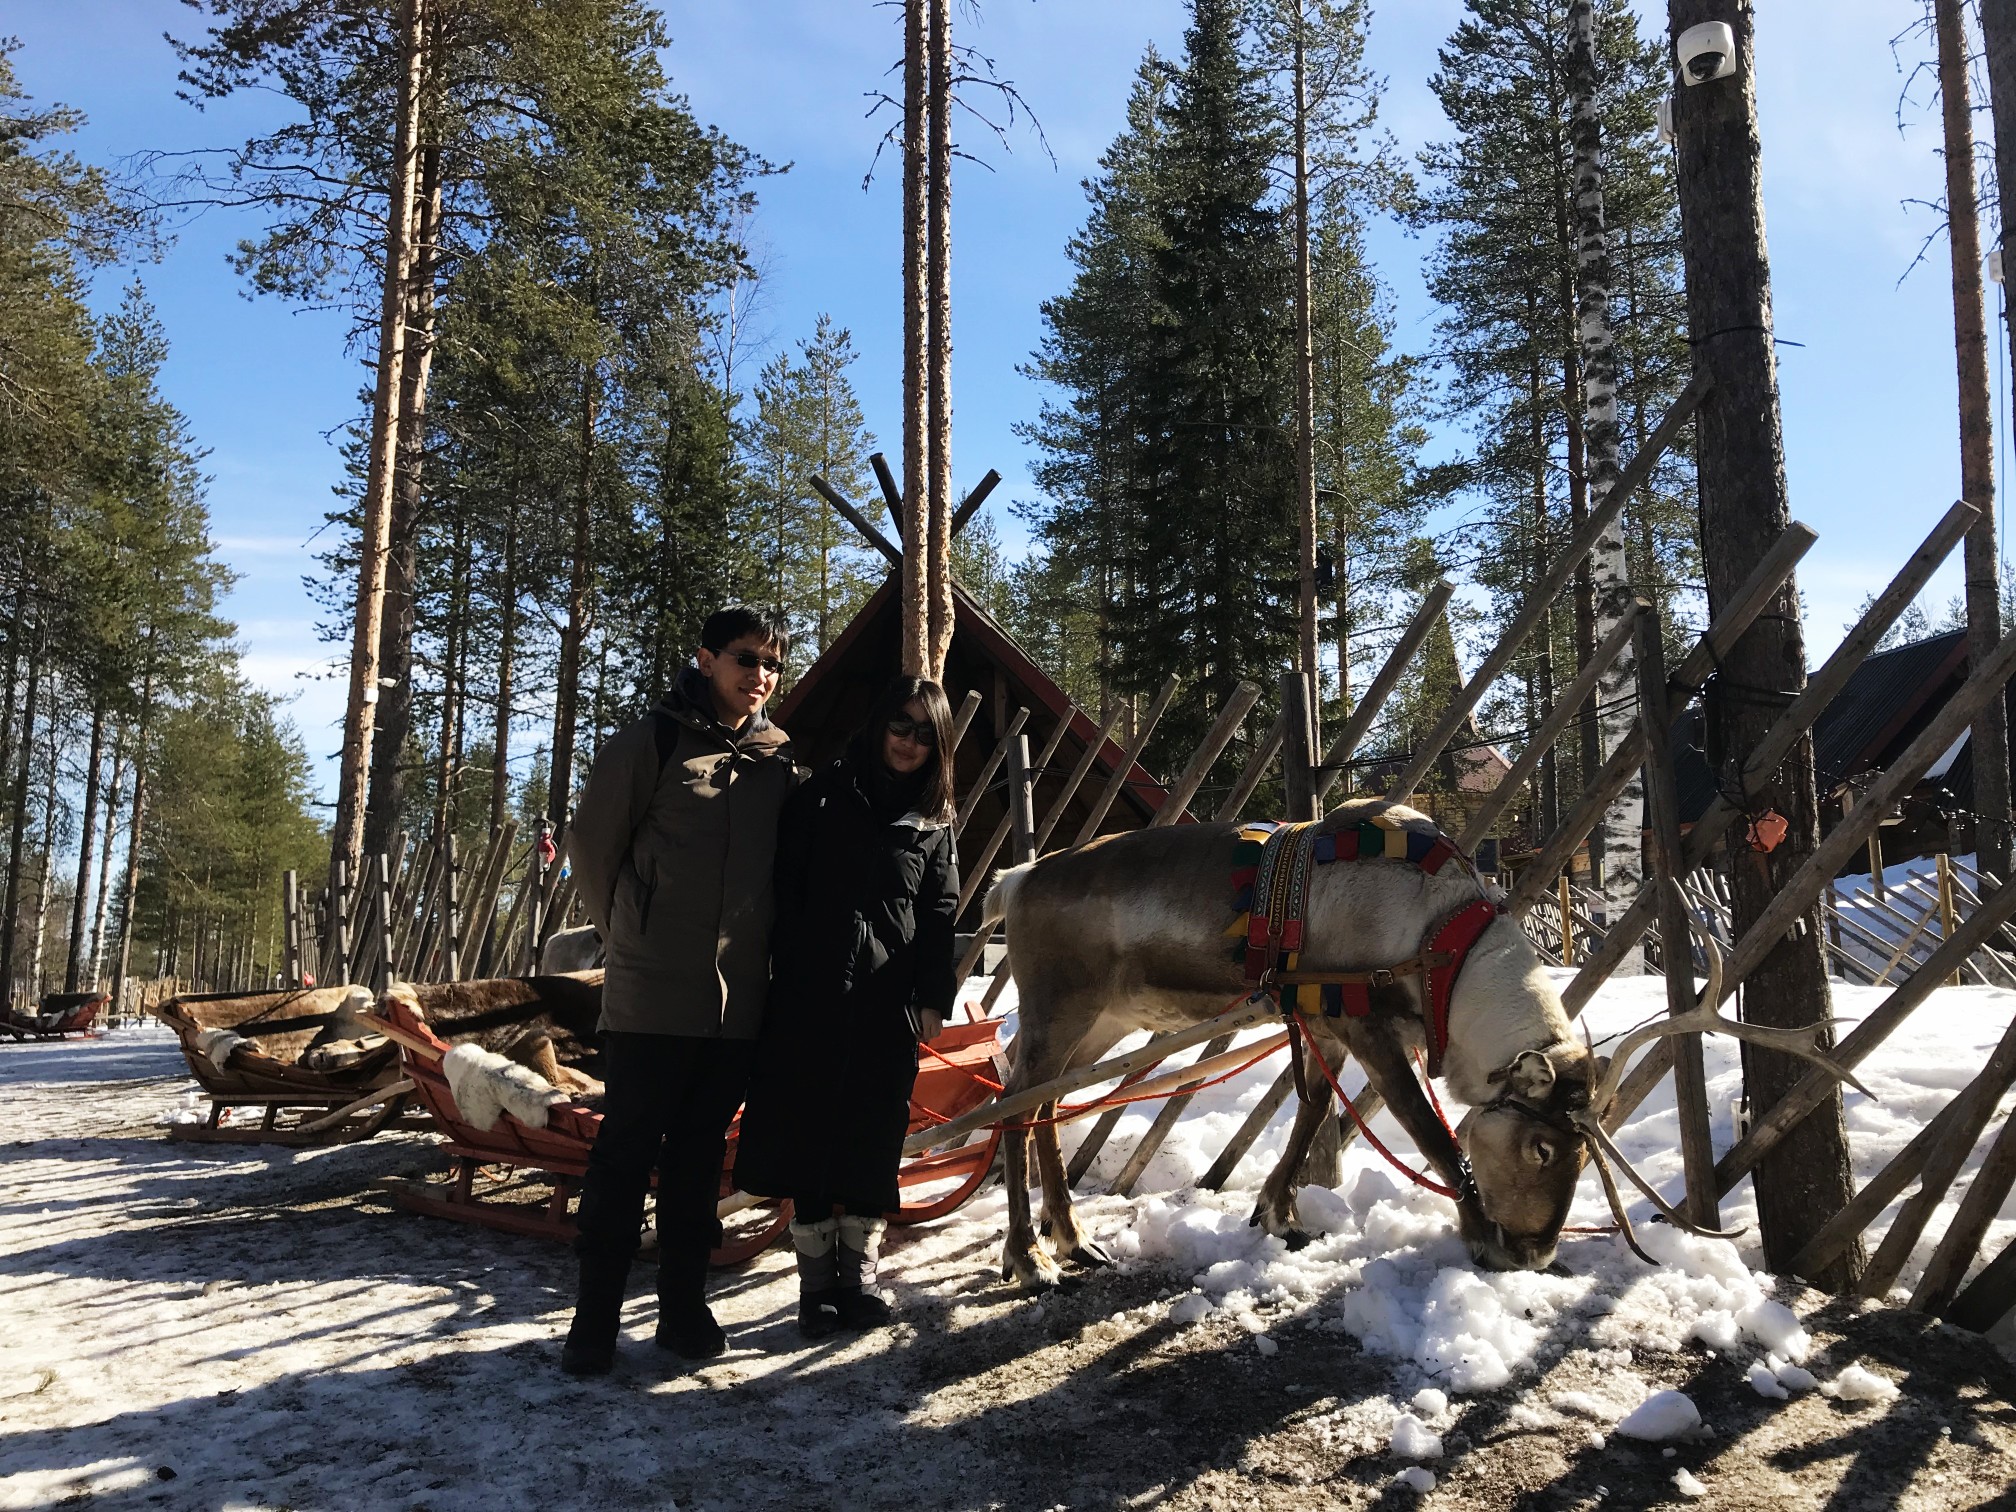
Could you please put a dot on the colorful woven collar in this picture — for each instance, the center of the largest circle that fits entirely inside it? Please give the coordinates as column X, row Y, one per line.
column 1270, row 882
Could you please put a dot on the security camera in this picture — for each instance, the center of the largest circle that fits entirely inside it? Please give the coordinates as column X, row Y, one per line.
column 1707, row 51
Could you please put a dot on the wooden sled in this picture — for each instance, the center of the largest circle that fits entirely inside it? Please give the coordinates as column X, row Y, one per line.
column 302, row 1106
column 62, row 1015
column 487, row 1161
column 934, row 1183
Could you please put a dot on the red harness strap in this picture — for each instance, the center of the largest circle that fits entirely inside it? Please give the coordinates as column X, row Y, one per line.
column 1453, row 940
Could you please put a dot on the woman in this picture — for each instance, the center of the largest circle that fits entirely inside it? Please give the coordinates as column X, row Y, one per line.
column 861, row 969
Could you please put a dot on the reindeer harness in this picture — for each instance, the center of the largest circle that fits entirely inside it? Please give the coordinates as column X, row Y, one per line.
column 1270, row 881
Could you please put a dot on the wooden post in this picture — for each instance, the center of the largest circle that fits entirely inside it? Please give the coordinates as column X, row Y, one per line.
column 858, row 520
column 1962, row 1239
column 290, row 914
column 1662, row 809
column 382, row 978
column 339, row 924
column 1022, row 801
column 1946, row 906
column 451, row 918
column 536, row 920
column 975, row 869
column 992, row 765
column 1567, row 906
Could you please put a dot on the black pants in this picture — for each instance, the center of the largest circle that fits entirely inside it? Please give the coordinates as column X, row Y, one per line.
column 669, row 1100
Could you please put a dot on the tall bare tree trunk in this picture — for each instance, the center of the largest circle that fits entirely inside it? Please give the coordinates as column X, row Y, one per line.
column 87, row 834
column 507, row 651
column 43, row 885
column 1619, row 839
column 18, row 840
column 567, row 695
column 1549, row 796
column 1977, row 434
column 915, row 646
column 448, row 774
column 136, row 828
column 353, row 783
column 395, row 712
column 938, row 258
column 1305, row 401
column 105, row 857
column 1806, row 1179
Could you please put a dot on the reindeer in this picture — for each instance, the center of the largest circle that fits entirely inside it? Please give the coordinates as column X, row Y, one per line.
column 1131, row 932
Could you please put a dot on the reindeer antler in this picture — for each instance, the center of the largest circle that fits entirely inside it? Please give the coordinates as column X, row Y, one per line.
column 1702, row 1018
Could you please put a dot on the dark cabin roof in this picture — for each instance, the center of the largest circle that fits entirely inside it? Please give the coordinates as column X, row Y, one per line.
column 828, row 703
column 1881, row 709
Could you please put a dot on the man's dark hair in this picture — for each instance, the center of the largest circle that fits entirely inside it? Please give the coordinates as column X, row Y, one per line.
column 725, row 626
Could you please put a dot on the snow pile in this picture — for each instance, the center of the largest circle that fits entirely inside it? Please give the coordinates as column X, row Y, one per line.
column 485, row 1085
column 1856, row 1383
column 1687, row 1484
column 1415, row 1478
column 1661, row 1417
column 1413, row 1439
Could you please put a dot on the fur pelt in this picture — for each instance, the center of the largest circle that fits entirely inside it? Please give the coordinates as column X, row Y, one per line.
column 486, row 1086
column 216, row 1045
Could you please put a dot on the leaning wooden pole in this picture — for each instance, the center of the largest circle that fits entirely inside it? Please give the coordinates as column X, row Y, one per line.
column 1366, row 710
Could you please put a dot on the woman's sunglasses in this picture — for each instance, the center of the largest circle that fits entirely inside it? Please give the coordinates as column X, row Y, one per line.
column 919, row 730
column 749, row 661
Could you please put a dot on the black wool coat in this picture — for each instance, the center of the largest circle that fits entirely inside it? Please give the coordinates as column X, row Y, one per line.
column 863, row 941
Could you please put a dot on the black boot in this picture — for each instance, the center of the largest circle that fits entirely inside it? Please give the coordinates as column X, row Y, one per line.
column 590, row 1348
column 685, row 1326
column 859, row 1301
column 818, row 1277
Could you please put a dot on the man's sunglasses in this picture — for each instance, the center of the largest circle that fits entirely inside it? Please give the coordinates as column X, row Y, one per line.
column 919, row 730
column 749, row 661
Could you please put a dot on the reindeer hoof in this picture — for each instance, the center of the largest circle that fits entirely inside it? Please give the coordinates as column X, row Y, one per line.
column 1085, row 1252
column 1295, row 1239
column 1032, row 1271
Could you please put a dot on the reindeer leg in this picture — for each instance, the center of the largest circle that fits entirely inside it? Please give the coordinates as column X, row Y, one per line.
column 1386, row 1062
column 1275, row 1211
column 1023, row 1260
column 1060, row 1219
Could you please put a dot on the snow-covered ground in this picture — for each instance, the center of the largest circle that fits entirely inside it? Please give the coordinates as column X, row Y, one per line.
column 232, row 1327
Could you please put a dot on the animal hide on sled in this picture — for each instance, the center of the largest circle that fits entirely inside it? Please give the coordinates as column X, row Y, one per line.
column 485, row 1085
column 216, row 1045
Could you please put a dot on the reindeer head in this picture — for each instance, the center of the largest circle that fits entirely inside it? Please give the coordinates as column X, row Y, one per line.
column 1527, row 1146
column 1526, row 1152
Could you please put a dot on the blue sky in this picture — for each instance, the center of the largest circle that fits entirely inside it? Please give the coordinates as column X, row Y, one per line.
column 1869, row 396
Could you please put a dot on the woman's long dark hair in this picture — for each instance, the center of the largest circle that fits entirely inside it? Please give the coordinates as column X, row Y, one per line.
column 936, row 800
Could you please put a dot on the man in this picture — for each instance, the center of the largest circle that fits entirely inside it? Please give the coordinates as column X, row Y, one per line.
column 673, row 845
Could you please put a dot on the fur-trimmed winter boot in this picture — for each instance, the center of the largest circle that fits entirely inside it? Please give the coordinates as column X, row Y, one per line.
column 860, row 1247
column 817, row 1245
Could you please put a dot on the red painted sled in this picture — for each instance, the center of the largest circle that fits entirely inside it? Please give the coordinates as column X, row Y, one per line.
column 63, row 1014
column 487, row 1161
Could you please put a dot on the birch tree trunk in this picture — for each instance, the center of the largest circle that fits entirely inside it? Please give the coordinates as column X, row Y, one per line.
column 939, row 261
column 1977, row 434
column 136, row 830
column 105, row 858
column 567, row 693
column 353, row 782
column 1618, row 841
column 1806, row 1179
column 915, row 645
column 38, row 950
column 87, row 834
column 1305, row 401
